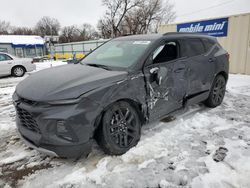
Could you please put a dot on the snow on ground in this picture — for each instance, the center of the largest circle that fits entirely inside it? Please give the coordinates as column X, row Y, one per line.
column 47, row 64
column 179, row 153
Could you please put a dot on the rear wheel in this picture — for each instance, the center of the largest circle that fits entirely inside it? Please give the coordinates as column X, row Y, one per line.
column 120, row 129
column 18, row 71
column 217, row 92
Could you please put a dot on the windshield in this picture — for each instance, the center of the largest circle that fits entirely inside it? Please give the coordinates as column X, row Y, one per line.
column 122, row 54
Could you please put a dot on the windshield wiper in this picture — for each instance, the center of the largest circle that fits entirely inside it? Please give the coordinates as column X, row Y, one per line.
column 99, row 66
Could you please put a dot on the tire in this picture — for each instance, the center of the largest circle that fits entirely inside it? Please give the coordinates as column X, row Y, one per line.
column 217, row 92
column 120, row 129
column 18, row 71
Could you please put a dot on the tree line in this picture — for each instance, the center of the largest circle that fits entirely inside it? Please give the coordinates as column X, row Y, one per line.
column 122, row 17
column 48, row 26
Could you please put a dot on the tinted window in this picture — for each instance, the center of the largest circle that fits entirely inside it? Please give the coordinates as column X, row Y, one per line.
column 194, row 47
column 208, row 44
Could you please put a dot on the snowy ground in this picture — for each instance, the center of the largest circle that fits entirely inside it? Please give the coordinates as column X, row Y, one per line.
column 180, row 153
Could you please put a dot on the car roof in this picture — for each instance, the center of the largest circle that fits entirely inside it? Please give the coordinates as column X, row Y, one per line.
column 153, row 37
column 140, row 37
column 4, row 53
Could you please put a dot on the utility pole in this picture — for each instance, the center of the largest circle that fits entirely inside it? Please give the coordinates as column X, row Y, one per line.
column 50, row 43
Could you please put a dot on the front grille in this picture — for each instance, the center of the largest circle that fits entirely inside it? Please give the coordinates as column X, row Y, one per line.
column 27, row 120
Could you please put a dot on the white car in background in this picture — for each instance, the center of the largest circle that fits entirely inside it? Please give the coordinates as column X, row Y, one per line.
column 11, row 65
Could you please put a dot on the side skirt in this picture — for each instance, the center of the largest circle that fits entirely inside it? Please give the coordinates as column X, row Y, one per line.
column 196, row 98
column 190, row 100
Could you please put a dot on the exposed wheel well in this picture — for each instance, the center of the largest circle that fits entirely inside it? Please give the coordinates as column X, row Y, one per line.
column 18, row 66
column 137, row 106
column 224, row 74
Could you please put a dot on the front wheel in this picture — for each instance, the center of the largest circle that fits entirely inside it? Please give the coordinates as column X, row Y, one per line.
column 120, row 129
column 217, row 92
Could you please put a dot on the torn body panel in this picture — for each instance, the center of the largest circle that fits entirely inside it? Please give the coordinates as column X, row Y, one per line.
column 167, row 95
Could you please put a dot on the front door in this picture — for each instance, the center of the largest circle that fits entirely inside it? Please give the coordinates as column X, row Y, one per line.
column 166, row 80
column 5, row 64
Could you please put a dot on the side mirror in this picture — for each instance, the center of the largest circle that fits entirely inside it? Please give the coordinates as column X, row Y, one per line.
column 159, row 74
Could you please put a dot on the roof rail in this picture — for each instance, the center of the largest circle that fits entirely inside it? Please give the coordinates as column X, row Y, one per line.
column 181, row 33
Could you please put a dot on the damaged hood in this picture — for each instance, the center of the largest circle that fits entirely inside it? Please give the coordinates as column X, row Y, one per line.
column 66, row 82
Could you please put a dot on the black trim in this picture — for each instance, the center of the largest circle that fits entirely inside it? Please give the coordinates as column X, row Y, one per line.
column 196, row 98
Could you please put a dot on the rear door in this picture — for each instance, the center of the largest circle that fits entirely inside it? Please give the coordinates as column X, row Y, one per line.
column 5, row 64
column 200, row 64
column 165, row 94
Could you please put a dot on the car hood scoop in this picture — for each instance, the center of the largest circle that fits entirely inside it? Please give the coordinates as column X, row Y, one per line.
column 66, row 82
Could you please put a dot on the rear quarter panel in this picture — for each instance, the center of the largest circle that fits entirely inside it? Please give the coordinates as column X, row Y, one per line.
column 221, row 61
column 25, row 62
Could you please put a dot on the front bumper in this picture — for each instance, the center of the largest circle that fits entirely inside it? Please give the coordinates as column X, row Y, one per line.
column 39, row 126
column 42, row 150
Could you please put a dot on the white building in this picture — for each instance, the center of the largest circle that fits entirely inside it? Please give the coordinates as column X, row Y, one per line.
column 232, row 32
column 22, row 45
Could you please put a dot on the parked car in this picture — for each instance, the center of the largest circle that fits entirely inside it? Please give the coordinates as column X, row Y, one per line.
column 11, row 65
column 120, row 86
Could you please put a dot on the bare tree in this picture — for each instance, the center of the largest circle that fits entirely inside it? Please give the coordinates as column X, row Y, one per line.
column 4, row 27
column 47, row 26
column 87, row 32
column 22, row 31
column 68, row 34
column 117, row 9
column 166, row 15
column 78, row 33
column 105, row 27
column 149, row 15
column 135, row 17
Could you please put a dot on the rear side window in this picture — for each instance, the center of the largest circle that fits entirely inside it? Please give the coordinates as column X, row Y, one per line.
column 208, row 44
column 4, row 57
column 194, row 47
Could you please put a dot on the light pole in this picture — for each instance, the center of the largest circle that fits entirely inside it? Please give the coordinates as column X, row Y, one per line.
column 50, row 43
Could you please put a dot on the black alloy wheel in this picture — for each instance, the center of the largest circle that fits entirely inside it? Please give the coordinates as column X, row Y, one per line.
column 120, row 129
column 217, row 92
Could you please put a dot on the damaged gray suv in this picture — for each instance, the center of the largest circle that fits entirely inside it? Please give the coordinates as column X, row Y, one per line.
column 122, row 85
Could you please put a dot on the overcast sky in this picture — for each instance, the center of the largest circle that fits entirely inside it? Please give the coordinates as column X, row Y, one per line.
column 69, row 12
